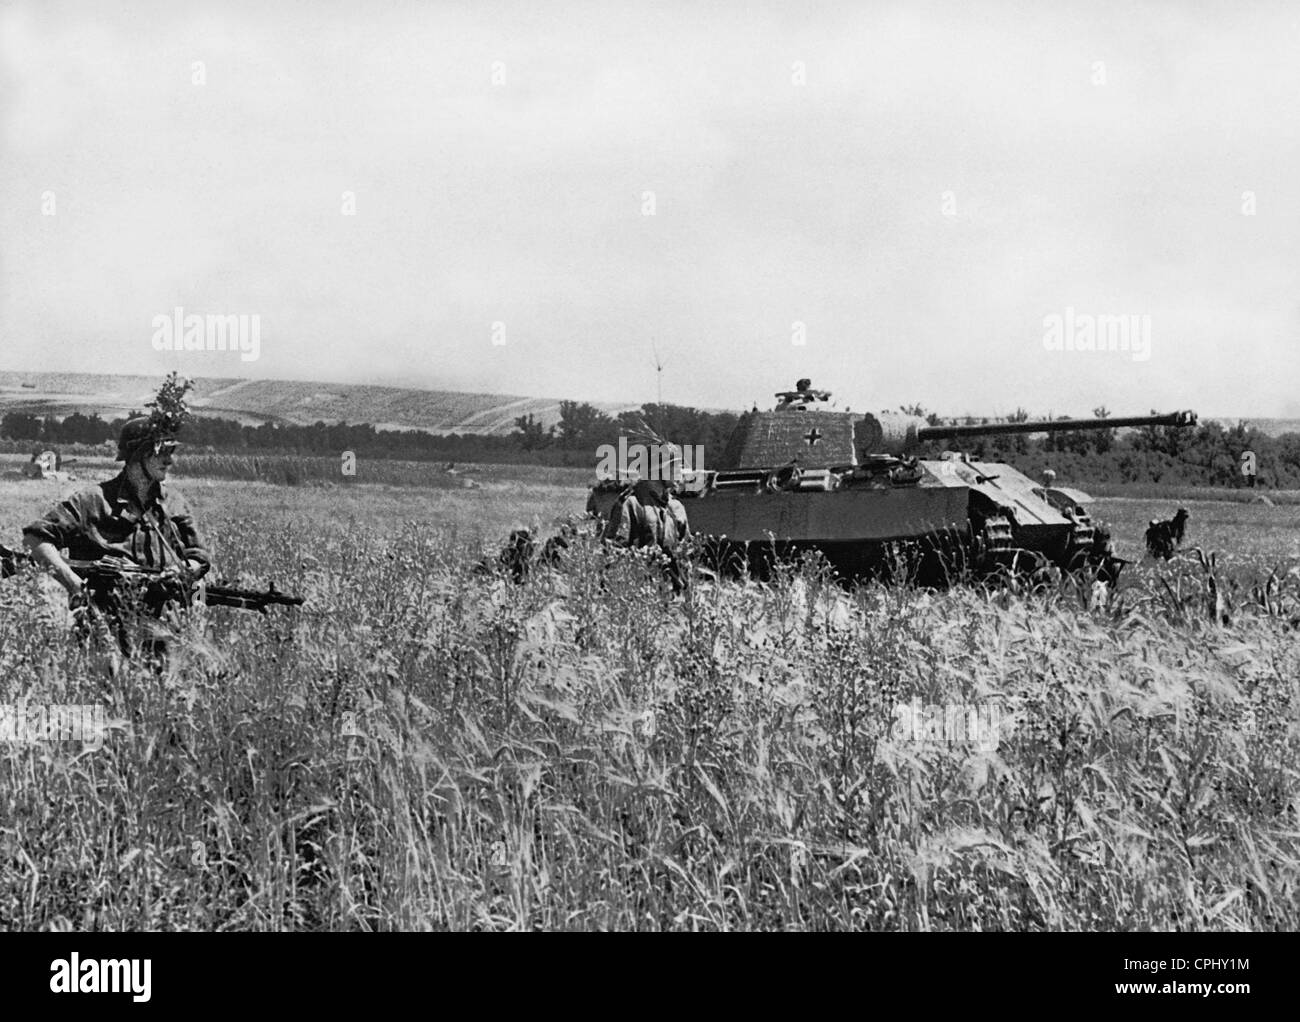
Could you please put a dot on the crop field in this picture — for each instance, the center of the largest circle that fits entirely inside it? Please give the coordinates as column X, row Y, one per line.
column 429, row 746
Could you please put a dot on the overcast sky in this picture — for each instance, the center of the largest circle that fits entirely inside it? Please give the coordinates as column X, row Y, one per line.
column 919, row 185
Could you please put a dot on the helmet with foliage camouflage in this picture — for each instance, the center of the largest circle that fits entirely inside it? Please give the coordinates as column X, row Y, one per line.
column 141, row 436
column 157, row 431
column 670, row 464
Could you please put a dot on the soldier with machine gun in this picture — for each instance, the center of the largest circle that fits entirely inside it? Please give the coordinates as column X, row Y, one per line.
column 134, row 554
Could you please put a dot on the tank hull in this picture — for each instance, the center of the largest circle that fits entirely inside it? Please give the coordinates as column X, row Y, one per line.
column 944, row 520
column 846, row 516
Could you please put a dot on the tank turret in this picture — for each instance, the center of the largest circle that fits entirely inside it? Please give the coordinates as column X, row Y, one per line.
column 805, row 428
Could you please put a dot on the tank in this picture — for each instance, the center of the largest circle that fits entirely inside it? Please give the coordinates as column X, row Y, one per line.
column 805, row 477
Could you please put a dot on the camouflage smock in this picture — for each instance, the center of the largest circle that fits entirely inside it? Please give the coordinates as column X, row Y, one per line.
column 108, row 521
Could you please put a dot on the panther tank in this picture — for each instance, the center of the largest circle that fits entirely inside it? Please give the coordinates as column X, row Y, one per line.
column 853, row 486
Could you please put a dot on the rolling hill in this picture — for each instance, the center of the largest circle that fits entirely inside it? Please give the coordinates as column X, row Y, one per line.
column 283, row 401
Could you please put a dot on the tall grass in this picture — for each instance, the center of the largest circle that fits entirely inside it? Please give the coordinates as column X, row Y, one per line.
column 425, row 746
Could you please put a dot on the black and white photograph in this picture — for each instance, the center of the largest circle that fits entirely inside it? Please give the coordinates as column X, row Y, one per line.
column 684, row 466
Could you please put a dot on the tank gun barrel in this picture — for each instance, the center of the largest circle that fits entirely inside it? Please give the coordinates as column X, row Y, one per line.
column 1186, row 418
column 894, row 433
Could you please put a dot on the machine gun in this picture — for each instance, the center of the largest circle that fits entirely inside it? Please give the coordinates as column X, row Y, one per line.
column 159, row 584
column 183, row 587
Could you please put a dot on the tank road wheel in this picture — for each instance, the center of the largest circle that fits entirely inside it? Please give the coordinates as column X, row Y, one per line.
column 999, row 560
column 1078, row 548
column 1102, row 564
column 994, row 543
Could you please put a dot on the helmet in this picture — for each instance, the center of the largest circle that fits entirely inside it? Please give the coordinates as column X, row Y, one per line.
column 670, row 463
column 142, row 432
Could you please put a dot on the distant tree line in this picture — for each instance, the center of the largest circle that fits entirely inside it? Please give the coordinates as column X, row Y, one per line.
column 573, row 441
column 1207, row 455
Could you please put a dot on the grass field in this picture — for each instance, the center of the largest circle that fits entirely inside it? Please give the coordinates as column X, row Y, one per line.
column 423, row 746
column 1211, row 494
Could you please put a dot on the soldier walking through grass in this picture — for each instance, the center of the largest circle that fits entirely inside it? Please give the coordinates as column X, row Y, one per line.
column 132, row 521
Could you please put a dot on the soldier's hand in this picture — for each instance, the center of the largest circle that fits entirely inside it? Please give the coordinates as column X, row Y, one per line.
column 191, row 570
column 89, row 624
column 47, row 554
column 83, row 614
column 71, row 581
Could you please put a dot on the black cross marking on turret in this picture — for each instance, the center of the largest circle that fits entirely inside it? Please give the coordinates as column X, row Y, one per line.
column 812, row 436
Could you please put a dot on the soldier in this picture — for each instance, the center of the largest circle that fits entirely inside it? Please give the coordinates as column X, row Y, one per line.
column 801, row 395
column 130, row 520
column 648, row 514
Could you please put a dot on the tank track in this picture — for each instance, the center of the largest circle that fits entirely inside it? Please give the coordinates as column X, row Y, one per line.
column 998, row 554
column 996, row 540
column 1078, row 549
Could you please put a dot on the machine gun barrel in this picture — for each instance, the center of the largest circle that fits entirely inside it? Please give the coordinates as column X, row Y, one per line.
column 1186, row 418
column 210, row 593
